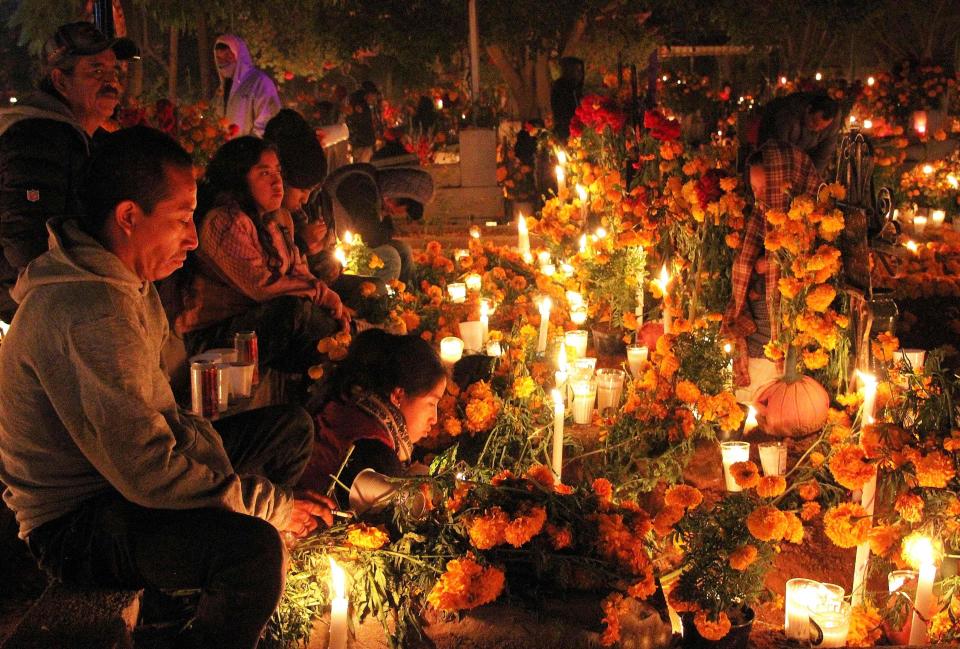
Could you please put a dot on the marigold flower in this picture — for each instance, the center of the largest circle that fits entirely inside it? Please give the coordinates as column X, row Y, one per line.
column 910, row 507
column 746, row 474
column 809, row 511
column 526, row 524
column 542, row 475
column 808, row 490
column 794, row 531
column 367, row 537
column 767, row 523
column 816, row 458
column 666, row 518
column 452, row 426
column 883, row 538
column 850, row 467
column 934, row 470
column 820, row 298
column 459, row 498
column 645, row 587
column 847, row 525
column 742, row 557
column 611, row 619
column 771, row 486
column 560, row 537
column 712, row 630
column 465, row 585
column 523, row 387
column 687, row 391
column 884, row 346
column 487, row 531
column 603, row 489
column 865, row 626
column 682, row 495
column 816, row 359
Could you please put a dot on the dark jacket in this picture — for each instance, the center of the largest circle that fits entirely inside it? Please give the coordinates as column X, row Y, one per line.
column 361, row 121
column 565, row 96
column 784, row 120
column 42, row 154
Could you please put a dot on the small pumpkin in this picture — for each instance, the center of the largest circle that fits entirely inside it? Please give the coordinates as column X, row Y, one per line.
column 792, row 408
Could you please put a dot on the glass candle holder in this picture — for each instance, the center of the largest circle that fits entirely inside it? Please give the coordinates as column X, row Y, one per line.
column 457, row 292
column 609, row 390
column 802, row 597
column 576, row 342
column 584, row 396
column 731, row 453
column 937, row 218
column 578, row 314
column 473, row 282
column 451, row 350
column 636, row 357
column 829, row 628
column 471, row 332
column 773, row 458
column 919, row 224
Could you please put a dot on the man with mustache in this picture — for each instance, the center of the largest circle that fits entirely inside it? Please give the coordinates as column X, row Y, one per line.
column 45, row 140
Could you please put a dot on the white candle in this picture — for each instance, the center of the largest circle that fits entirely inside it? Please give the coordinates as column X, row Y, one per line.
column 339, row 608
column 920, row 552
column 915, row 357
column 919, row 224
column 609, row 390
column 574, row 299
column 484, row 320
column 545, row 305
column 583, row 245
column 731, row 453
column 523, row 237
column 584, row 396
column 751, row 421
column 561, row 177
column 869, row 382
column 543, row 257
column 494, row 349
column 340, row 255
column 471, row 332
column 937, row 217
column 576, row 343
column 578, row 314
column 830, row 627
column 640, row 297
column 561, row 155
column 636, row 357
column 549, row 270
column 567, row 269
column 457, row 292
column 451, row 350
column 473, row 282
column 664, row 282
column 584, row 198
column 773, row 458
column 558, row 414
column 804, row 597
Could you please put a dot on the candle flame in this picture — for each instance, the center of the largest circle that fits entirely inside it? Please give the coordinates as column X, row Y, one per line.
column 561, row 175
column 521, row 224
column 952, row 180
column 340, row 255
column 867, row 124
column 853, row 119
column 601, row 232
column 920, row 550
column 928, row 168
column 871, row 81
column 911, row 245
column 727, row 348
column 338, row 581
column 562, row 358
column 561, row 156
column 664, row 277
column 348, row 238
column 583, row 243
column 751, row 414
column 582, row 193
column 475, row 232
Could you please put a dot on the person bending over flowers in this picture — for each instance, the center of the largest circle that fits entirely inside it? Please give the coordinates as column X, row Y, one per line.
column 380, row 400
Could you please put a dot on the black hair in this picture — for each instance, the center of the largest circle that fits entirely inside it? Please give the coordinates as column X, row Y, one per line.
column 301, row 156
column 823, row 104
column 380, row 362
column 129, row 165
column 414, row 208
column 225, row 185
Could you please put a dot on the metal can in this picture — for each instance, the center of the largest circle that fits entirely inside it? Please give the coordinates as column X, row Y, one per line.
column 205, row 389
column 245, row 342
column 223, row 394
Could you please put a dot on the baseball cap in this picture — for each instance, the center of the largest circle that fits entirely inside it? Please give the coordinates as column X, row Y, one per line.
column 83, row 39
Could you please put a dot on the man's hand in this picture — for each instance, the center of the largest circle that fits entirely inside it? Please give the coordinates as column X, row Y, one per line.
column 307, row 507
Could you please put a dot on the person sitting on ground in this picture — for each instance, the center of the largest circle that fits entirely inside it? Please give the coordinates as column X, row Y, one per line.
column 247, row 273
column 380, row 400
column 777, row 174
column 365, row 200
column 807, row 120
column 303, row 166
column 112, row 484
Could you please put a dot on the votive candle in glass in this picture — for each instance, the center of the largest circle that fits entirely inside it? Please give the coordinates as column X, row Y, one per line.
column 576, row 343
column 829, row 628
column 473, row 282
column 457, row 292
column 578, row 314
column 451, row 350
column 636, row 357
column 609, row 390
column 937, row 217
column 471, row 332
column 919, row 224
column 773, row 458
column 731, row 453
column 584, row 396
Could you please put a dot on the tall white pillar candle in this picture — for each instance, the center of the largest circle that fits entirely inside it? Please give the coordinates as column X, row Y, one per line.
column 558, row 414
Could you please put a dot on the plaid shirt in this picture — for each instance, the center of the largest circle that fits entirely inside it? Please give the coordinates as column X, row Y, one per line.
column 789, row 173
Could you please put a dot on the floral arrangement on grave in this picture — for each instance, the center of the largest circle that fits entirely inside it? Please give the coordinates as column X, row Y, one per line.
column 355, row 256
column 728, row 548
column 514, row 176
column 808, row 331
column 934, row 184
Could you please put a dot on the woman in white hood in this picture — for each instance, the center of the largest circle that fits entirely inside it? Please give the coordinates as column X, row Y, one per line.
column 247, row 96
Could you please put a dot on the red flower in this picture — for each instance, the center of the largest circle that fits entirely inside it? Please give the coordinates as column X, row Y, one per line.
column 708, row 188
column 596, row 112
column 660, row 127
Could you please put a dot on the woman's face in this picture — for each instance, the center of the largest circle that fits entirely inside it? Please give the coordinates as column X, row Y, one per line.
column 265, row 182
column 420, row 412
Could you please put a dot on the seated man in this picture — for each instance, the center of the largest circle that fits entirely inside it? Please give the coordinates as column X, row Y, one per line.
column 111, row 484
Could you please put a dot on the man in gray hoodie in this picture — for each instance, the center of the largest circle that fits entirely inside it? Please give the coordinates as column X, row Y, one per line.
column 111, row 483
column 247, row 96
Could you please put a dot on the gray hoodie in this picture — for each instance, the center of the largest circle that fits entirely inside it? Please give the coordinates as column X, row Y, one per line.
column 85, row 406
column 253, row 98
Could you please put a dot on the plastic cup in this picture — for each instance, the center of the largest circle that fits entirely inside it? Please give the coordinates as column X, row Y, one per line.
column 241, row 379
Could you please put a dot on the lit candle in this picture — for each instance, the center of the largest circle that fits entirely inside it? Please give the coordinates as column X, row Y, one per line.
column 578, row 314
column 348, row 238
column 803, row 597
column 831, row 627
column 937, row 217
column 473, row 281
column 912, row 246
column 548, row 269
column 584, row 197
column 451, row 350
column 574, row 298
column 567, row 269
column 484, row 320
column 545, row 305
column 457, row 292
column 494, row 349
column 920, row 122
column 460, row 253
column 340, row 255
column 339, row 608
column 471, row 332
column 523, row 238
column 919, row 224
column 558, row 414
column 576, row 343
column 902, row 583
column 868, row 493
column 584, row 396
column 609, row 390
column 750, row 422
column 600, row 233
column 728, row 350
column 636, row 357
column 664, row 282
column 731, row 453
column 561, row 176
column 474, row 232
column 583, row 244
column 640, row 297
column 773, row 457
column 920, row 552
column 869, row 388
column 543, row 257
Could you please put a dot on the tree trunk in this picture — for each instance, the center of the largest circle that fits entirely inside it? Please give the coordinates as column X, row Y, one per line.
column 519, row 89
column 205, row 52
column 172, row 61
column 541, row 76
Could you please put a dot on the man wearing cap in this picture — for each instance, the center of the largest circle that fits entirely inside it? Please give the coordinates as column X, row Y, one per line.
column 247, row 96
column 45, row 140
